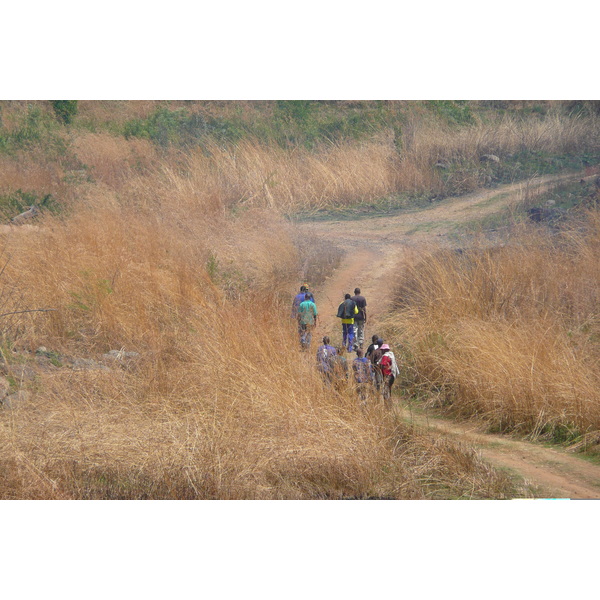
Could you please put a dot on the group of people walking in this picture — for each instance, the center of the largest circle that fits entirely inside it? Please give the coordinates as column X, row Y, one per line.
column 373, row 370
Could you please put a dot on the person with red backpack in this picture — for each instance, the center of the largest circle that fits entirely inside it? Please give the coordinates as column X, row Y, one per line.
column 346, row 311
column 389, row 370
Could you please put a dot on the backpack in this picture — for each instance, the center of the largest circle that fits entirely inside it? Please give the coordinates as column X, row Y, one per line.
column 346, row 309
column 393, row 365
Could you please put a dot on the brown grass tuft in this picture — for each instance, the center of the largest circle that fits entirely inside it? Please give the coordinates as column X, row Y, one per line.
column 510, row 333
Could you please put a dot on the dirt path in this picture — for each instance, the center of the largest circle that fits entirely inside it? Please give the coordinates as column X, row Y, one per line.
column 375, row 249
column 377, row 246
column 548, row 472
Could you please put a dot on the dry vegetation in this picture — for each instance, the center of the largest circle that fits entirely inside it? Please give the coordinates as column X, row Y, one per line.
column 387, row 161
column 220, row 403
column 510, row 333
column 182, row 256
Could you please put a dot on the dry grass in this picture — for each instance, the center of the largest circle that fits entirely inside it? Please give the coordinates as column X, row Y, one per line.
column 425, row 142
column 245, row 427
column 220, row 403
column 512, row 333
column 111, row 159
column 184, row 259
column 350, row 172
column 254, row 173
column 29, row 175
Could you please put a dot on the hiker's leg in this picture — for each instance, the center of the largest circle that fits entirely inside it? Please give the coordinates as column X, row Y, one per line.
column 308, row 338
column 378, row 379
column 345, row 334
column 362, row 392
column 360, row 332
column 387, row 390
column 350, row 337
column 303, row 332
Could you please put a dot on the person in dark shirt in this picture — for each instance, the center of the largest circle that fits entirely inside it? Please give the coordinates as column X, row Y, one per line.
column 375, row 358
column 372, row 346
column 347, row 310
column 360, row 320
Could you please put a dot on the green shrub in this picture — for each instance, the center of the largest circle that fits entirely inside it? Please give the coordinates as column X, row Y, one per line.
column 35, row 128
column 456, row 112
column 65, row 110
column 17, row 202
column 180, row 127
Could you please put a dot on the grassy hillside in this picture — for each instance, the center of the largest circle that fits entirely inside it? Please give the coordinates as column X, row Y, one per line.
column 146, row 345
column 290, row 155
column 509, row 332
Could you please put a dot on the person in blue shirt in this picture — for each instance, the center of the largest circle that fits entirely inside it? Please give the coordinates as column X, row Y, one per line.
column 325, row 355
column 299, row 298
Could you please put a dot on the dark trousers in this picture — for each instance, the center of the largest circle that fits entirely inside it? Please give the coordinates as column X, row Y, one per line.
column 388, row 382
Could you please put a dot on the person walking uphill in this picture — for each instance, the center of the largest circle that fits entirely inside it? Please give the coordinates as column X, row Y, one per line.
column 299, row 298
column 389, row 370
column 374, row 354
column 307, row 320
column 346, row 311
column 361, row 318
column 363, row 375
column 325, row 359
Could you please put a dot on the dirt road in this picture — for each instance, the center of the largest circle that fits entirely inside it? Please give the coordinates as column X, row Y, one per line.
column 375, row 248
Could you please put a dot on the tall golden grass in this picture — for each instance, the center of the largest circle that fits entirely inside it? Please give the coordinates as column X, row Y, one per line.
column 512, row 333
column 220, row 403
column 350, row 172
column 258, row 174
column 183, row 257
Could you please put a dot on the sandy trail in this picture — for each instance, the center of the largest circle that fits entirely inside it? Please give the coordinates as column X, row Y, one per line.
column 375, row 249
column 552, row 472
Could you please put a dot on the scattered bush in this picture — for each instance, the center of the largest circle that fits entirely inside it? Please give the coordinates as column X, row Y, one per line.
column 65, row 110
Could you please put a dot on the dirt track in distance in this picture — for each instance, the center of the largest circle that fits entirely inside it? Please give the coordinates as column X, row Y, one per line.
column 375, row 249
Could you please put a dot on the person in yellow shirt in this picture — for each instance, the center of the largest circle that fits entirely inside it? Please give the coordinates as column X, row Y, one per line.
column 346, row 311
